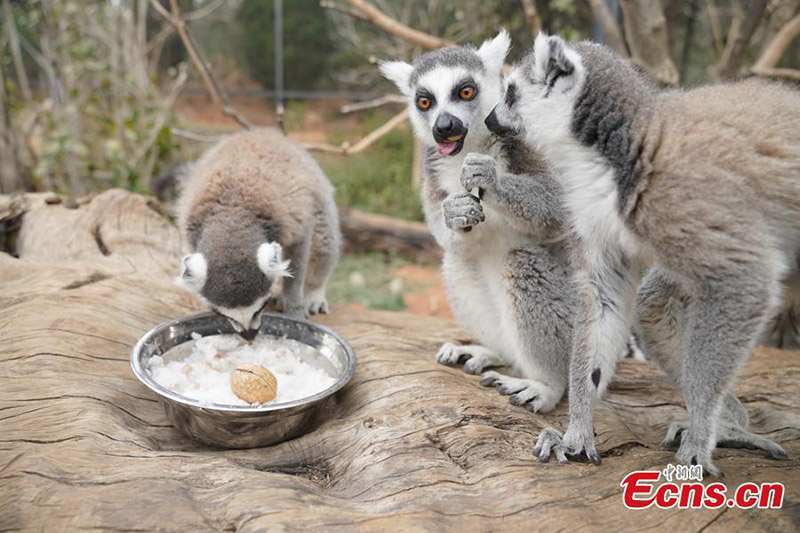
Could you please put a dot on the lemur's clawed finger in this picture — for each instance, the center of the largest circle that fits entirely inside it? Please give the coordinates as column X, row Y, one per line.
column 550, row 442
column 673, row 437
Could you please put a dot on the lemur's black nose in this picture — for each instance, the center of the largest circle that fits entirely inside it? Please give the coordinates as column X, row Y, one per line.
column 248, row 334
column 493, row 125
column 447, row 126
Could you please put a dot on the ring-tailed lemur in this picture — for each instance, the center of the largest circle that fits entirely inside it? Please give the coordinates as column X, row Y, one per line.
column 505, row 267
column 701, row 183
column 253, row 205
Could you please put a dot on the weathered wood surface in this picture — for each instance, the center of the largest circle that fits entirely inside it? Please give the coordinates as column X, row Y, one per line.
column 410, row 444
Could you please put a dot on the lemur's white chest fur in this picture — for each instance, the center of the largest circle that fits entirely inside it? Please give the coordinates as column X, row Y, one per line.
column 589, row 184
column 474, row 270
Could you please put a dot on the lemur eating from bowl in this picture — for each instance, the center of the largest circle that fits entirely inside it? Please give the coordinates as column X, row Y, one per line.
column 258, row 218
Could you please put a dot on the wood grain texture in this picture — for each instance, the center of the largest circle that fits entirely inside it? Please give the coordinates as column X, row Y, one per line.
column 409, row 445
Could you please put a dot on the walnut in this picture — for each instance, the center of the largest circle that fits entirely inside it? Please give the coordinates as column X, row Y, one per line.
column 254, row 383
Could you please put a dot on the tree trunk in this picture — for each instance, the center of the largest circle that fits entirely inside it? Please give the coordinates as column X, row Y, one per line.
column 609, row 26
column 646, row 33
column 731, row 63
column 10, row 175
column 408, row 445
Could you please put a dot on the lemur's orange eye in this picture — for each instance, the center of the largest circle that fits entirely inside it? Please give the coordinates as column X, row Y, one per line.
column 467, row 93
column 423, row 103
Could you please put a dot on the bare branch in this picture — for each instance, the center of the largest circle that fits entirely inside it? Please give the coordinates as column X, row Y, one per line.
column 333, row 6
column 371, row 104
column 218, row 95
column 363, row 144
column 775, row 48
column 204, row 11
column 529, row 8
column 169, row 101
column 731, row 62
column 788, row 73
column 610, row 28
column 186, row 134
column 390, row 25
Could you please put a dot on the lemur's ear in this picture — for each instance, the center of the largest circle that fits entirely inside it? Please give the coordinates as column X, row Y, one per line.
column 398, row 73
column 270, row 261
column 552, row 60
column 493, row 52
column 193, row 273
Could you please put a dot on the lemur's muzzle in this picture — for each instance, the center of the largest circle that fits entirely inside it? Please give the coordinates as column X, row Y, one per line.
column 494, row 125
column 449, row 133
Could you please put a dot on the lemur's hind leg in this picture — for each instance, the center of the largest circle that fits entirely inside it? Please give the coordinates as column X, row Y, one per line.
column 474, row 356
column 784, row 329
column 326, row 242
column 662, row 313
column 542, row 300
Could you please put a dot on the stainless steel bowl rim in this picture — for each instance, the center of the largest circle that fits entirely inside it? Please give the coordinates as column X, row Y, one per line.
column 145, row 378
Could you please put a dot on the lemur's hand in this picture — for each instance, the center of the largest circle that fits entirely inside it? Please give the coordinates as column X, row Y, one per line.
column 479, row 171
column 573, row 444
column 462, row 211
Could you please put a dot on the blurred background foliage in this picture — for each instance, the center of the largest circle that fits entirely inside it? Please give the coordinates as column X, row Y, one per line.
column 104, row 93
column 111, row 99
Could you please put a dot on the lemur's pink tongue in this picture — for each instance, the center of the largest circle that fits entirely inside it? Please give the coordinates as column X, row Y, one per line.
column 446, row 148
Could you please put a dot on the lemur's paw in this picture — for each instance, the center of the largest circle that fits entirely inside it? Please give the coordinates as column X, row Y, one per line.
column 450, row 354
column 694, row 452
column 292, row 309
column 533, row 395
column 462, row 211
column 316, row 302
column 317, row 307
column 480, row 358
column 728, row 436
column 479, row 171
column 550, row 441
column 477, row 357
column 572, row 445
column 536, row 397
column 673, row 437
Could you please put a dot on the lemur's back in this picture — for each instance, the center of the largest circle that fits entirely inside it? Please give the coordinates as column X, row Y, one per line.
column 742, row 135
column 259, row 171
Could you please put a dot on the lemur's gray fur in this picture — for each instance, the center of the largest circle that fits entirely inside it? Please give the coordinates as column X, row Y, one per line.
column 251, row 200
column 505, row 265
column 703, row 184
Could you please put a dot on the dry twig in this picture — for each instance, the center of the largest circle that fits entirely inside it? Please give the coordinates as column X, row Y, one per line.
column 392, row 26
column 218, row 94
column 775, row 48
column 349, row 11
column 346, row 149
column 371, row 104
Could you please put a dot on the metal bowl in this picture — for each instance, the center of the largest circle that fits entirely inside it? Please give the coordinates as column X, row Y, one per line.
column 235, row 426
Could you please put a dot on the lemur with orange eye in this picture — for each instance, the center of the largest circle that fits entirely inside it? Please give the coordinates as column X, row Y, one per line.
column 505, row 265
